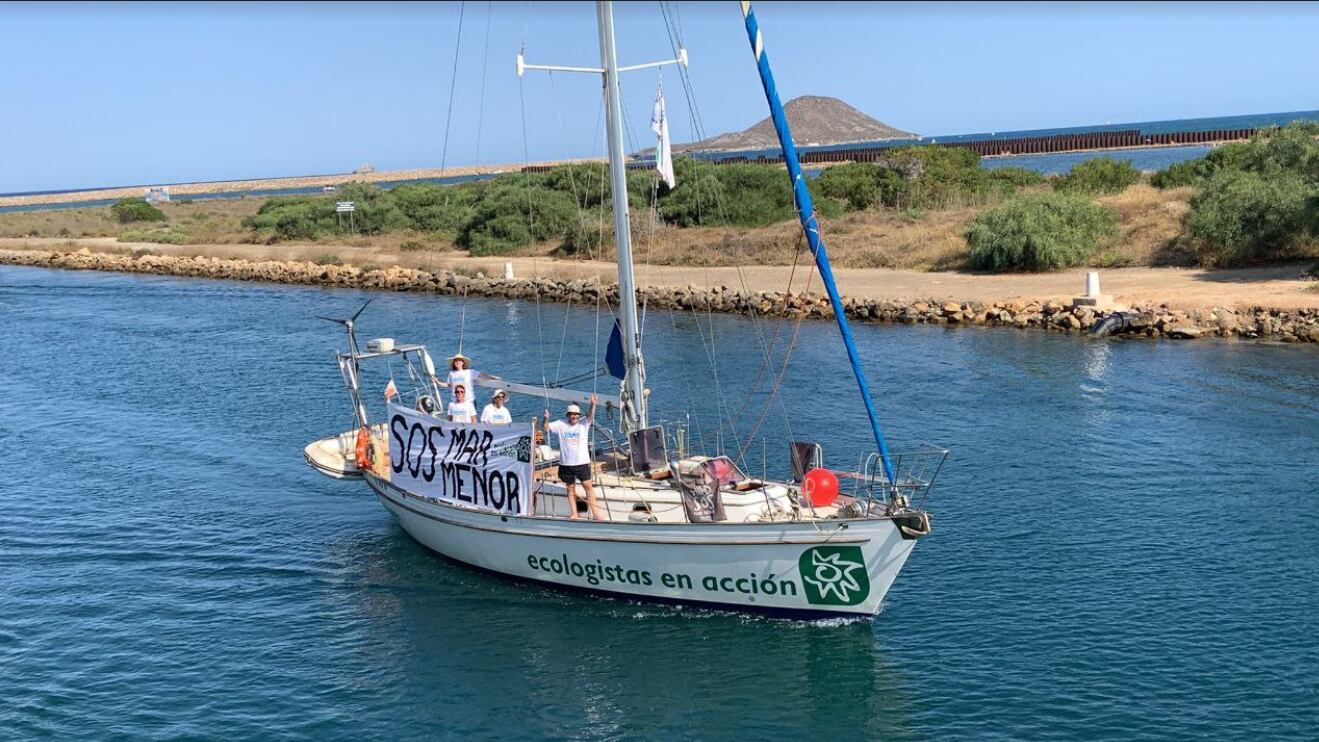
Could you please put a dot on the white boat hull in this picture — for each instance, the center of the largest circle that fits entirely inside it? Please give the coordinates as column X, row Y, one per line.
column 800, row 568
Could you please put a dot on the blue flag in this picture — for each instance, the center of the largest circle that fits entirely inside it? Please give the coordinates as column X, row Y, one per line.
column 614, row 360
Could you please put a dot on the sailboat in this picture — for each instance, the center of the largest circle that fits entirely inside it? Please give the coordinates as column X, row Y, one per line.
column 676, row 527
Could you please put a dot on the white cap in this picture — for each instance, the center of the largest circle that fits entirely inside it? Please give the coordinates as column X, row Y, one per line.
column 499, row 393
column 574, row 408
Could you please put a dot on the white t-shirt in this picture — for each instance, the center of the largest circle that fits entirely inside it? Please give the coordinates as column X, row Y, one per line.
column 462, row 412
column 462, row 378
column 496, row 415
column 574, row 441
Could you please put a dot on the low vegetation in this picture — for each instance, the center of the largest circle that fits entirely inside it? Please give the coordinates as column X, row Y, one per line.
column 136, row 210
column 927, row 207
column 1040, row 232
column 1099, row 176
column 1258, row 200
column 173, row 234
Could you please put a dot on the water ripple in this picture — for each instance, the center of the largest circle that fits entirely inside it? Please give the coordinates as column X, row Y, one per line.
column 1126, row 539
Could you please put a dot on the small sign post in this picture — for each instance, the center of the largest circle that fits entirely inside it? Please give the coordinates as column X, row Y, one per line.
column 346, row 207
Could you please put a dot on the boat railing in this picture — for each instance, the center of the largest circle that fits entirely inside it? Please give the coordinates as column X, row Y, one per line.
column 914, row 472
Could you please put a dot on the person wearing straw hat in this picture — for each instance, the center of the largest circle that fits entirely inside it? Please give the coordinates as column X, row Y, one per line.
column 496, row 413
column 461, row 374
column 575, row 457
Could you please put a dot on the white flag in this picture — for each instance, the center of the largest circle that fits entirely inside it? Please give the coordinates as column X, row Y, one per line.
column 659, row 123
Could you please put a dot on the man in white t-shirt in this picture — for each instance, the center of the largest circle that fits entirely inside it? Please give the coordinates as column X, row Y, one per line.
column 575, row 457
column 496, row 413
column 460, row 410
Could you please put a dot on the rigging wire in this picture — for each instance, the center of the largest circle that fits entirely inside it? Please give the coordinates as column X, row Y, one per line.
column 485, row 66
column 453, row 81
column 673, row 26
column 535, row 268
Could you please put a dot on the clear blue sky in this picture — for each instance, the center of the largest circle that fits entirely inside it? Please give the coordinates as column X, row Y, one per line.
column 114, row 94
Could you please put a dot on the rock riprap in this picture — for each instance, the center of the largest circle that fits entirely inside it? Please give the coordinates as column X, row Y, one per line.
column 1150, row 321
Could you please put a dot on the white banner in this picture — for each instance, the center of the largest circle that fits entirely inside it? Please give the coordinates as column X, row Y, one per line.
column 482, row 466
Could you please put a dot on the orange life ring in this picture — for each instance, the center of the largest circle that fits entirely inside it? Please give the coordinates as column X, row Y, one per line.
column 365, row 453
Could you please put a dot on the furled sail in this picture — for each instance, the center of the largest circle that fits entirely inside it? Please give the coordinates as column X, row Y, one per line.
column 806, row 212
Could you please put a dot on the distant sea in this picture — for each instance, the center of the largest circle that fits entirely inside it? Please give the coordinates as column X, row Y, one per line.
column 1151, row 158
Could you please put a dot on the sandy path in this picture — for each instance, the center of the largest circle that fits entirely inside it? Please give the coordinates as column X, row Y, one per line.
column 1280, row 287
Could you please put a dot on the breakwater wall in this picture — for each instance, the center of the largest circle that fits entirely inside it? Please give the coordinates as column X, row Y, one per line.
column 1091, row 141
column 1297, row 326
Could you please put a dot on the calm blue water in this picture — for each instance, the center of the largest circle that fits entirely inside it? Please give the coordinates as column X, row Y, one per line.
column 1126, row 539
column 1148, row 158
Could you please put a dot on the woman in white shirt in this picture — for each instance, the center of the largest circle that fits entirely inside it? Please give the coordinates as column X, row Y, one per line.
column 460, row 410
column 461, row 375
column 496, row 413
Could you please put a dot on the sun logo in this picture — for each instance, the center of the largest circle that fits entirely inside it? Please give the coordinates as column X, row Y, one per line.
column 834, row 575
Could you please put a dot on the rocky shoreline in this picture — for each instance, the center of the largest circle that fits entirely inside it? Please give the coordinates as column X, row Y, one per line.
column 1298, row 326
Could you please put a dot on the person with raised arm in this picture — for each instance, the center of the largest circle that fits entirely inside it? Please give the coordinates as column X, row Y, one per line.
column 575, row 456
column 460, row 374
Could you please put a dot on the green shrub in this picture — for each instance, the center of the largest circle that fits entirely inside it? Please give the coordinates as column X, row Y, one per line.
column 309, row 218
column 376, row 212
column 1245, row 217
column 412, row 246
column 136, row 210
column 697, row 197
column 754, row 195
column 1288, row 149
column 947, row 177
column 1100, row 175
column 431, row 207
column 1040, row 232
column 326, row 258
column 1015, row 177
column 1179, row 174
column 856, row 186
column 508, row 216
column 295, row 217
column 173, row 234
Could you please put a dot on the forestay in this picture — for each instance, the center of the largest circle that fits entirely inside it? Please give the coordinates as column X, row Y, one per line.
column 477, row 466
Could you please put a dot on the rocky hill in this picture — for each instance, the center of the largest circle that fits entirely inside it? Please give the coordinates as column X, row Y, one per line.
column 814, row 120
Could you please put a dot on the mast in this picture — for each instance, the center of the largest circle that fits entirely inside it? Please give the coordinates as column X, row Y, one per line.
column 806, row 212
column 633, row 395
column 634, row 382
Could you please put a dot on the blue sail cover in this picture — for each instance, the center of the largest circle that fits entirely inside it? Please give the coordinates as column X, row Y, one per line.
column 806, row 212
column 614, row 360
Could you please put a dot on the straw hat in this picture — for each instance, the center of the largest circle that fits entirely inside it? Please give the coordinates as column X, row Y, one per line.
column 499, row 393
column 573, row 408
column 458, row 355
